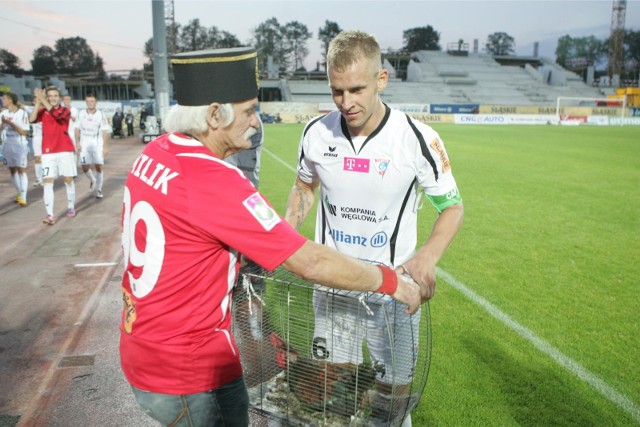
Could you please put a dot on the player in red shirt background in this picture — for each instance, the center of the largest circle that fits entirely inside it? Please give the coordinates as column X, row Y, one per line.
column 58, row 150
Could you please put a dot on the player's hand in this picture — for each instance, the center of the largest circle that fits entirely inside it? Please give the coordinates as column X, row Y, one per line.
column 408, row 292
column 38, row 93
column 424, row 274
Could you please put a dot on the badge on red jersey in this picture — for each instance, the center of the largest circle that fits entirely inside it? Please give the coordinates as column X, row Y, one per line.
column 261, row 210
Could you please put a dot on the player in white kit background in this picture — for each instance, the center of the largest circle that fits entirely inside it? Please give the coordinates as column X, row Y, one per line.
column 66, row 101
column 92, row 136
column 36, row 142
column 14, row 126
column 372, row 164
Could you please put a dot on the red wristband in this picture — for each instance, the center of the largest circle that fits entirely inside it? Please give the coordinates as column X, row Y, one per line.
column 389, row 281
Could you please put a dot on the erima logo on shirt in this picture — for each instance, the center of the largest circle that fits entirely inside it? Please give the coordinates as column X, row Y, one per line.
column 261, row 211
column 331, row 152
column 354, row 164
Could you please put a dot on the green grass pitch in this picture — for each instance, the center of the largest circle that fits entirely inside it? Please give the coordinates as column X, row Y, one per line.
column 551, row 238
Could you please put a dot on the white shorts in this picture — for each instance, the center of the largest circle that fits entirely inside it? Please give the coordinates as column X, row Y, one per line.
column 15, row 155
column 343, row 323
column 92, row 155
column 59, row 164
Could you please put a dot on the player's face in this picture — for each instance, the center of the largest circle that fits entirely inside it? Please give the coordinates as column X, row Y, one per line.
column 6, row 101
column 356, row 92
column 91, row 103
column 53, row 97
column 67, row 100
column 244, row 126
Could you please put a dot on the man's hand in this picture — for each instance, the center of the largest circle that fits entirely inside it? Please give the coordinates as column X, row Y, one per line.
column 408, row 292
column 39, row 94
column 422, row 267
column 424, row 274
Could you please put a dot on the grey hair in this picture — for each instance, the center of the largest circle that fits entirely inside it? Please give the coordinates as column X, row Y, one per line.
column 185, row 119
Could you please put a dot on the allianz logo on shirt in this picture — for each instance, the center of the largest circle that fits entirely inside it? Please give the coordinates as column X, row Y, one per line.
column 378, row 240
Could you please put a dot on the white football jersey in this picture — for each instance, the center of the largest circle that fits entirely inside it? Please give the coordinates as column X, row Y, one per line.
column 371, row 186
column 20, row 118
column 91, row 127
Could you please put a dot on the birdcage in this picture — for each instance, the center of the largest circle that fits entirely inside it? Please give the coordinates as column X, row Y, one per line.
column 314, row 356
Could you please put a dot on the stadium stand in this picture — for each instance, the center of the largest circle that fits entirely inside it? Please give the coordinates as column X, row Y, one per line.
column 437, row 77
column 432, row 77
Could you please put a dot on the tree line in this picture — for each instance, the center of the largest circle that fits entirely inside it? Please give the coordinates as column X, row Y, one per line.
column 71, row 55
column 287, row 45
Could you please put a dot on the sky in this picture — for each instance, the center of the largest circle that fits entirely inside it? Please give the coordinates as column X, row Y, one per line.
column 118, row 29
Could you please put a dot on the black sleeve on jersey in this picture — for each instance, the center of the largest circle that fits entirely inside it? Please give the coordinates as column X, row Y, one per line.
column 423, row 147
column 396, row 230
column 304, row 133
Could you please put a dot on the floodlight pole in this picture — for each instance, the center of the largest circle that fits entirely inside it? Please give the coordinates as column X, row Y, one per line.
column 160, row 60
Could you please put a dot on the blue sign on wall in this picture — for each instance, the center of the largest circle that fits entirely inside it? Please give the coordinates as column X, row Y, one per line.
column 455, row 108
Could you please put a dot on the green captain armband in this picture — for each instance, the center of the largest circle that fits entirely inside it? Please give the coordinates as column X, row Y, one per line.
column 443, row 201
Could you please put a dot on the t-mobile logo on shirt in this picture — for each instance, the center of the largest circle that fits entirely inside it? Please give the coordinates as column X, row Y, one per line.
column 353, row 164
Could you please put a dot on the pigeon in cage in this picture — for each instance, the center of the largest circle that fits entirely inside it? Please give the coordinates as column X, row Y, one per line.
column 319, row 385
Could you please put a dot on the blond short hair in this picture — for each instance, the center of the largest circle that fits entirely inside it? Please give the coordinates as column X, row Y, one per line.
column 53, row 88
column 349, row 47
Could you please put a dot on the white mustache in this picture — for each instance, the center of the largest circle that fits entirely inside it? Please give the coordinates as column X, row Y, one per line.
column 249, row 133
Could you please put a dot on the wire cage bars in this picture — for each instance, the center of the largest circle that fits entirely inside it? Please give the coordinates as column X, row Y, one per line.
column 314, row 356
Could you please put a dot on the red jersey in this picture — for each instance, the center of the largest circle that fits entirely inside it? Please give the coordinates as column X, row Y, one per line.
column 55, row 130
column 186, row 217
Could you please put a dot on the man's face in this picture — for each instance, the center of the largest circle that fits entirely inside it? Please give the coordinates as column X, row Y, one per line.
column 355, row 91
column 244, row 125
column 91, row 103
column 53, row 97
column 67, row 100
column 6, row 101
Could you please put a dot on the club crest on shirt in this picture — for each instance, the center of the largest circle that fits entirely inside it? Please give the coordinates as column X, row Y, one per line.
column 261, row 211
column 382, row 165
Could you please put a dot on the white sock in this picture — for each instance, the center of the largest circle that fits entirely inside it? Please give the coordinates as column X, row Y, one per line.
column 406, row 422
column 89, row 174
column 39, row 172
column 24, row 184
column 15, row 179
column 99, row 180
column 71, row 194
column 47, row 196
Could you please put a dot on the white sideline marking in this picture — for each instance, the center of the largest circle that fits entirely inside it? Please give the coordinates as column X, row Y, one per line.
column 566, row 362
column 96, row 264
column 279, row 160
